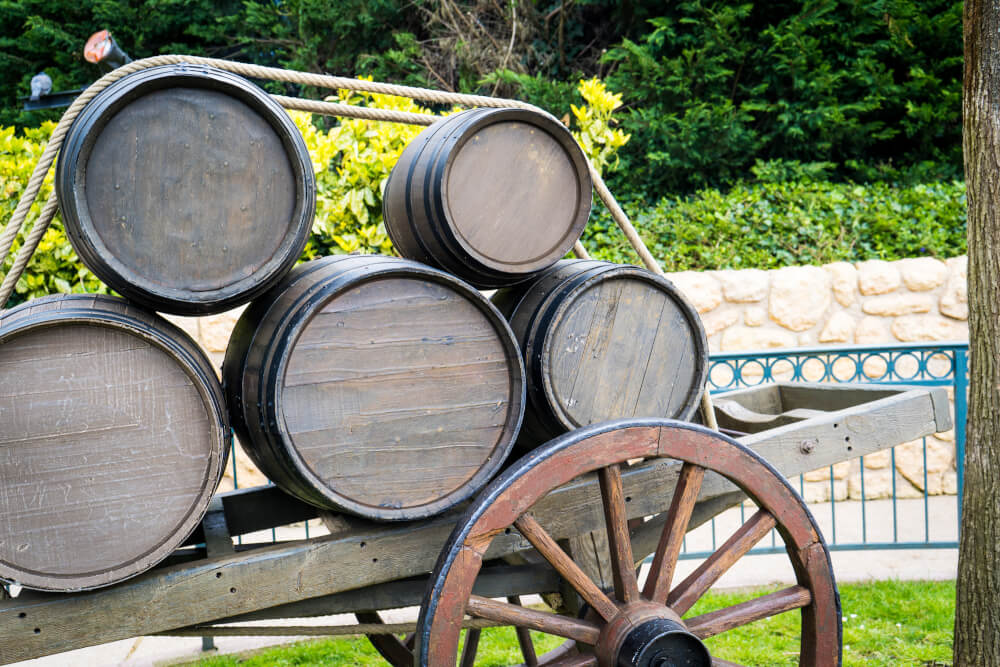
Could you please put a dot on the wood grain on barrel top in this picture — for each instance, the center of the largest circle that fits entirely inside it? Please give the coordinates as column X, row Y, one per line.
column 190, row 189
column 513, row 193
column 623, row 349
column 397, row 391
column 106, row 445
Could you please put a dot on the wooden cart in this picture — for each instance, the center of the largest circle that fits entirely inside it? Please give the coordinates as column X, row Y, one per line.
column 636, row 486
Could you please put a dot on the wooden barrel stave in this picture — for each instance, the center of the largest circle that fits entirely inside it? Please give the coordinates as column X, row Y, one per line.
column 376, row 386
column 601, row 341
column 135, row 436
column 186, row 189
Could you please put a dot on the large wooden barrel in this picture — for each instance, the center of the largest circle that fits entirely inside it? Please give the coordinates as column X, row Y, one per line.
column 490, row 195
column 603, row 341
column 376, row 386
column 186, row 188
column 114, row 438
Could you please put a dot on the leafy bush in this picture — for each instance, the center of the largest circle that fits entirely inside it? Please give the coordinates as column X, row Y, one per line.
column 352, row 162
column 54, row 267
column 869, row 86
column 768, row 225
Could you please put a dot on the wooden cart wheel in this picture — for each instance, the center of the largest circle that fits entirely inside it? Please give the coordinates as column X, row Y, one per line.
column 629, row 626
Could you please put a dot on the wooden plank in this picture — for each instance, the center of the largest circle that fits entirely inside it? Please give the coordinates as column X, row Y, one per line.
column 201, row 592
column 493, row 582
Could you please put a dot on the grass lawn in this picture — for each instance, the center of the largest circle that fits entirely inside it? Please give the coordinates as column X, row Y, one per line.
column 885, row 623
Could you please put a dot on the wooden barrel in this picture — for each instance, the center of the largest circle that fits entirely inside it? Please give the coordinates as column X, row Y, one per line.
column 603, row 341
column 490, row 195
column 376, row 386
column 186, row 188
column 114, row 438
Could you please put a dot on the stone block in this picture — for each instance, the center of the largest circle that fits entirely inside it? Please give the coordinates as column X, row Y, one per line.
column 819, row 492
column 955, row 298
column 800, row 296
column 871, row 331
column 878, row 460
column 838, row 329
column 703, row 290
column 914, row 328
column 891, row 305
column 877, row 276
column 877, row 483
column 718, row 320
column 759, row 338
column 818, row 475
column 922, row 274
column 940, row 460
column 746, row 286
column 754, row 316
column 844, row 280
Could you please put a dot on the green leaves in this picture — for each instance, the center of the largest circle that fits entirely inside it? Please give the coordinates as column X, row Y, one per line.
column 716, row 85
column 773, row 224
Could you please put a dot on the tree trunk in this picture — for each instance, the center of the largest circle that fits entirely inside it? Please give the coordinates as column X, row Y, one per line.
column 977, row 612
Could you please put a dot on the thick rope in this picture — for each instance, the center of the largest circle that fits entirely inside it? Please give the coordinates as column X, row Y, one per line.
column 41, row 224
column 351, row 111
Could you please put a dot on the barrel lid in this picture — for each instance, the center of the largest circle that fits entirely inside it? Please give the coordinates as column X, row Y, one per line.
column 114, row 440
column 516, row 189
column 395, row 422
column 186, row 188
column 622, row 343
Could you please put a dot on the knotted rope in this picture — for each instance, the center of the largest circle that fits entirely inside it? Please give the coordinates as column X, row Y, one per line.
column 41, row 224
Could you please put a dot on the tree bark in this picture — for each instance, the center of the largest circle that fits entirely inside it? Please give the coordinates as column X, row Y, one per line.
column 977, row 611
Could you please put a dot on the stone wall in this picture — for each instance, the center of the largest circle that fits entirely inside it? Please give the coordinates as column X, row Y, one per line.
column 869, row 303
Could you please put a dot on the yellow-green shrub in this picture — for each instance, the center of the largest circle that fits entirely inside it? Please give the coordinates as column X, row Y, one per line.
column 54, row 267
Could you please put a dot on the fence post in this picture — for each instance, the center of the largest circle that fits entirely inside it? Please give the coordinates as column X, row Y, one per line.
column 961, row 409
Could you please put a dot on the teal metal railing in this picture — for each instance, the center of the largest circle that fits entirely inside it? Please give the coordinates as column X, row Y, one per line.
column 931, row 364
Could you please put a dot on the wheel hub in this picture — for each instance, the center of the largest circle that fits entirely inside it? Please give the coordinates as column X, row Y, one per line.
column 662, row 642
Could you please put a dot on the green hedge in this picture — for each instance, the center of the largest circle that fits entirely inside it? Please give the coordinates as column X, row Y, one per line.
column 769, row 225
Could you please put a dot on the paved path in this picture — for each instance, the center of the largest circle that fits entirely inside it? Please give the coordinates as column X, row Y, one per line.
column 914, row 521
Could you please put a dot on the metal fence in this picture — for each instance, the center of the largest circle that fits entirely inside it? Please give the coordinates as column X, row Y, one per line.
column 931, row 522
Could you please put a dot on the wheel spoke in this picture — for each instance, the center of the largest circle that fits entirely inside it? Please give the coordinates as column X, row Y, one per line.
column 622, row 562
column 565, row 566
column 524, row 638
column 471, row 647
column 716, row 622
column 689, row 591
column 685, row 494
column 516, row 615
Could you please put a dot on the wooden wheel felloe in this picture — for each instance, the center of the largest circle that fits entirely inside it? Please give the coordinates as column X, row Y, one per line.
column 630, row 625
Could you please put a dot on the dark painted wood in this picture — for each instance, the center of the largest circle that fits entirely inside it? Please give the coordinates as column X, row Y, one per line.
column 491, row 195
column 186, row 189
column 603, row 341
column 375, row 386
column 114, row 438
